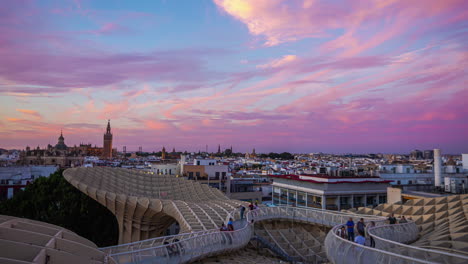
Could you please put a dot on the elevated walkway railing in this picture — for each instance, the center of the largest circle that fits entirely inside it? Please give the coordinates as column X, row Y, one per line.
column 153, row 242
column 190, row 249
column 343, row 251
column 390, row 247
column 390, row 238
column 309, row 215
column 191, row 246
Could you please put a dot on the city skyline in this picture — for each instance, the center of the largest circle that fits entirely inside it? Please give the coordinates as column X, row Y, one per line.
column 303, row 76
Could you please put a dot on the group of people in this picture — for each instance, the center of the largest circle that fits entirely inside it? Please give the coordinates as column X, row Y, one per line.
column 392, row 219
column 347, row 232
column 229, row 227
column 252, row 206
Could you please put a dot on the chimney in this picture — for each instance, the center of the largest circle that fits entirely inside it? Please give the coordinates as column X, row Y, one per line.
column 437, row 168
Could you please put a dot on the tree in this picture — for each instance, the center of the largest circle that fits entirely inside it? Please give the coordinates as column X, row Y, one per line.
column 55, row 201
column 228, row 152
column 286, row 156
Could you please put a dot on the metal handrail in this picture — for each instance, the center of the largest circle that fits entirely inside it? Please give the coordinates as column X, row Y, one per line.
column 204, row 243
column 463, row 253
column 318, row 216
column 343, row 251
column 191, row 248
column 151, row 241
column 391, row 237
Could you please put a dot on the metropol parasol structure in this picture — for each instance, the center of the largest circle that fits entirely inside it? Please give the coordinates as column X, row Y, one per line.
column 146, row 204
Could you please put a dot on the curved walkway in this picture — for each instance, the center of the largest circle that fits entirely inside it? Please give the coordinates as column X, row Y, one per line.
column 390, row 241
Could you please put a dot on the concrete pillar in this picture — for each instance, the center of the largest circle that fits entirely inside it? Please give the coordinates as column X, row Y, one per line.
column 228, row 185
column 378, row 199
column 287, row 197
column 437, row 168
column 296, row 198
column 272, row 195
column 352, row 200
column 365, row 200
column 324, row 202
column 306, row 199
column 338, row 199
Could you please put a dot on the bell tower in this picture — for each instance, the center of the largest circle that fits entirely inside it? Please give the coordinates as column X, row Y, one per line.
column 107, row 149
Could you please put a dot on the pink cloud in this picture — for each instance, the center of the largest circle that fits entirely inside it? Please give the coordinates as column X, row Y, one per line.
column 282, row 21
column 286, row 59
column 30, row 112
column 26, row 44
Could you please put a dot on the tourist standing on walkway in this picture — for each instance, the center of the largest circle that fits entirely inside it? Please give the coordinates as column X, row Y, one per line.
column 225, row 234
column 341, row 232
column 251, row 206
column 403, row 220
column 392, row 219
column 360, row 239
column 230, row 225
column 350, row 225
column 360, row 226
column 242, row 211
column 223, row 228
column 372, row 241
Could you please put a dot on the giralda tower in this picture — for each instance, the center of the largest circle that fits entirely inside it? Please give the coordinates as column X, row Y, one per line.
column 107, row 151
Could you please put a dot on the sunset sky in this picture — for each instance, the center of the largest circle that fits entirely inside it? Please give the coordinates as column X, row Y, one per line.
column 276, row 75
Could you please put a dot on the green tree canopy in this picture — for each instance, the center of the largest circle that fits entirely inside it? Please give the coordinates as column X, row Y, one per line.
column 55, row 201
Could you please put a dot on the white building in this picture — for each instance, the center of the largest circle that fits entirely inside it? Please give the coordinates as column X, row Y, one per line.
column 326, row 192
column 165, row 168
column 13, row 179
column 406, row 174
column 204, row 162
column 456, row 184
column 465, row 162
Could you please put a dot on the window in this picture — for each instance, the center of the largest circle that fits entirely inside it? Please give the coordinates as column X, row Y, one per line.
column 170, row 171
column 410, row 182
column 190, row 174
column 223, row 174
column 407, row 170
column 198, row 162
column 398, row 182
column 217, row 175
column 197, row 174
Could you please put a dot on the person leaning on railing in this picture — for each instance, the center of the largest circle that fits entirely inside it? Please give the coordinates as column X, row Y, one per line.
column 224, row 233
column 242, row 211
column 392, row 219
column 341, row 232
column 372, row 241
column 403, row 220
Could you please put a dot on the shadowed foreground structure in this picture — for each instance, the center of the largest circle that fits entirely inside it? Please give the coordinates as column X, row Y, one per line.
column 146, row 204
column 28, row 241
